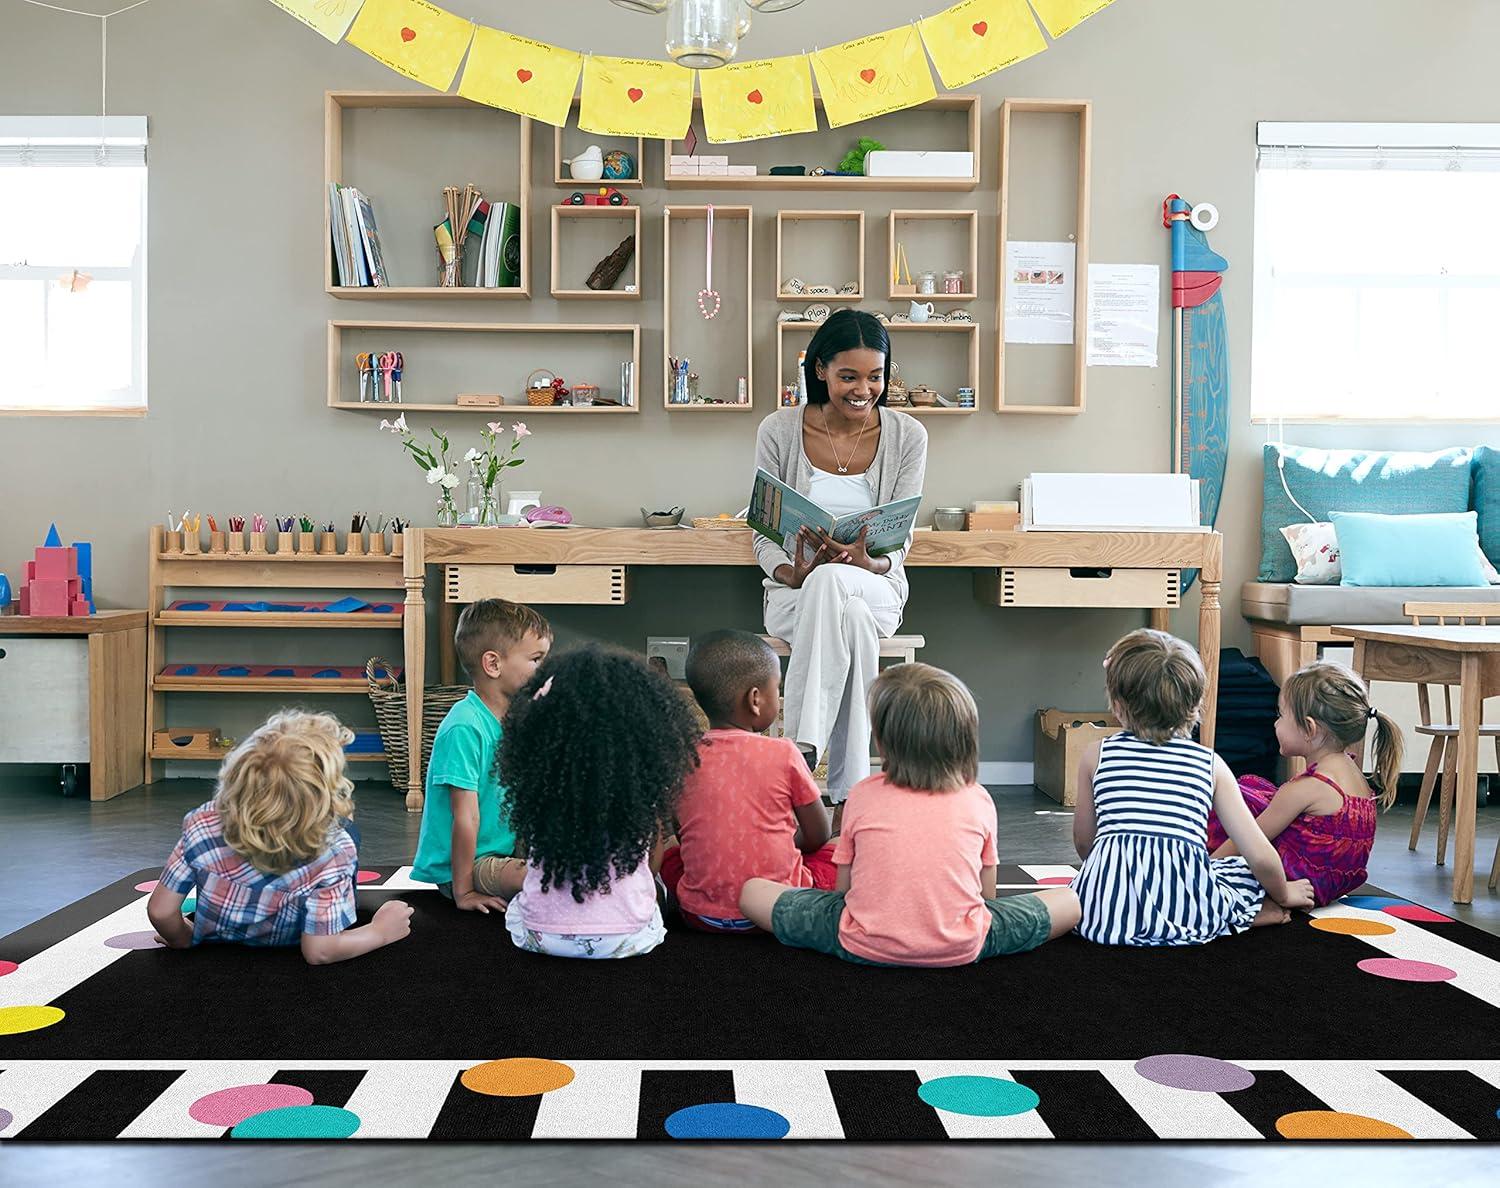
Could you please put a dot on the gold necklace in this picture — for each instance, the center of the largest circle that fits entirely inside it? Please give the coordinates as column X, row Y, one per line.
column 833, row 449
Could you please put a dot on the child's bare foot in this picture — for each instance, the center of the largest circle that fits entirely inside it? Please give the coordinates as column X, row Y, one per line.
column 1270, row 913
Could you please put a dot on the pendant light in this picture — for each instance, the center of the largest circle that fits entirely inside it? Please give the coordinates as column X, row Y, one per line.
column 769, row 5
column 653, row 7
column 701, row 33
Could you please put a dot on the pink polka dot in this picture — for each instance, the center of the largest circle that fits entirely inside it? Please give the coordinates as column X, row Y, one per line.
column 134, row 940
column 1416, row 912
column 1400, row 970
column 369, row 876
column 7, row 967
column 148, row 885
column 1055, row 881
column 230, row 1107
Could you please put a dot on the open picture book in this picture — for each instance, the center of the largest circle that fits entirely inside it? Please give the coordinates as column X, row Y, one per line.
column 778, row 512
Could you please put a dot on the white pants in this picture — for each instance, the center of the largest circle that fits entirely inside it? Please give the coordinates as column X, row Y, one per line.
column 834, row 624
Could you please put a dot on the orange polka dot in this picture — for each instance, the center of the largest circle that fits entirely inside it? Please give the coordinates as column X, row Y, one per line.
column 1331, row 1124
column 1352, row 927
column 521, row 1076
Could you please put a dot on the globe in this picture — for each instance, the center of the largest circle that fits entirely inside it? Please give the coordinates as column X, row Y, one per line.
column 618, row 165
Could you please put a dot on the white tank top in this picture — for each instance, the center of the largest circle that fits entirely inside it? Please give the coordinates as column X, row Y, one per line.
column 841, row 494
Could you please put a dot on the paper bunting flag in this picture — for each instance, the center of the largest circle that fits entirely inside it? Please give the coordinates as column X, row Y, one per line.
column 635, row 97
column 751, row 100
column 331, row 18
column 1062, row 15
column 978, row 37
column 530, row 78
column 872, row 76
column 414, row 38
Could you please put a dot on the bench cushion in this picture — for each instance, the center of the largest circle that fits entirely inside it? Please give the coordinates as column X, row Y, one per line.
column 1301, row 606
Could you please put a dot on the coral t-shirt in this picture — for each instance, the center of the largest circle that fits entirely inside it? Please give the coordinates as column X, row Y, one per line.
column 737, row 821
column 914, row 896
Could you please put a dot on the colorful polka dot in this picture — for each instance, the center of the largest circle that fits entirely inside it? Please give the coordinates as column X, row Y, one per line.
column 1416, row 913
column 298, row 1122
column 369, row 876
column 979, row 1097
column 8, row 967
column 520, row 1076
column 1331, row 1124
column 15, row 1020
column 726, row 1120
column 148, row 885
column 1372, row 903
column 229, row 1107
column 134, row 940
column 1349, row 927
column 1202, row 1074
column 189, row 906
column 1399, row 969
column 6, row 1118
column 1055, row 881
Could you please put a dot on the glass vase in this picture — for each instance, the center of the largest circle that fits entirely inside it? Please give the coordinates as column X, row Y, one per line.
column 473, row 496
column 489, row 506
column 447, row 511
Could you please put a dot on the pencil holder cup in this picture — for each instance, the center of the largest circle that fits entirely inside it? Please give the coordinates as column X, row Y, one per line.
column 398, row 544
column 328, row 546
column 191, row 541
column 377, row 543
column 216, row 543
column 307, row 543
column 354, row 544
column 171, row 542
column 258, row 542
column 234, row 543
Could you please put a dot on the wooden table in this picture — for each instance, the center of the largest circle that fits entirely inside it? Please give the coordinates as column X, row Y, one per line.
column 1010, row 569
column 1468, row 657
column 107, row 684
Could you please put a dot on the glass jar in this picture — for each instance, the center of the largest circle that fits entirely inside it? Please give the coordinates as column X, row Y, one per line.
column 927, row 282
column 953, row 281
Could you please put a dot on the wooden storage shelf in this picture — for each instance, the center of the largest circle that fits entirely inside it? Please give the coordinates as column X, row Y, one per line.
column 898, row 328
column 730, row 215
column 529, row 410
column 215, row 754
column 210, row 684
column 631, row 278
column 574, row 183
column 971, row 256
column 179, row 618
column 857, row 217
column 551, row 585
column 335, row 104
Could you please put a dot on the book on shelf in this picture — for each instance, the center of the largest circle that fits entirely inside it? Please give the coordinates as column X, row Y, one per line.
column 499, row 264
column 357, row 258
column 778, row 511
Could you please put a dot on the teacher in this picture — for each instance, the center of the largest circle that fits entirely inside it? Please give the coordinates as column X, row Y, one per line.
column 833, row 602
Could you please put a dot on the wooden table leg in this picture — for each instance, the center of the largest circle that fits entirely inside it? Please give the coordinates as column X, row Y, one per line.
column 1470, row 705
column 1161, row 618
column 447, row 658
column 1208, row 648
column 414, row 625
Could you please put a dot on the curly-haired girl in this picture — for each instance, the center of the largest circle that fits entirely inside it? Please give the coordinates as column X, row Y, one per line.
column 594, row 752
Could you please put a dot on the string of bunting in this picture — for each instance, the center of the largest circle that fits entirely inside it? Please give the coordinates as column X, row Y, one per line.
column 857, row 80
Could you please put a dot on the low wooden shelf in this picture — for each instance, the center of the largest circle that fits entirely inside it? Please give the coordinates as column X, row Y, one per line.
column 180, row 618
column 213, row 684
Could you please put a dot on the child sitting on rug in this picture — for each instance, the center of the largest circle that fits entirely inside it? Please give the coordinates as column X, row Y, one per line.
column 466, row 844
column 1142, row 813
column 1322, row 823
column 750, row 809
column 595, row 751
column 916, row 858
column 270, row 856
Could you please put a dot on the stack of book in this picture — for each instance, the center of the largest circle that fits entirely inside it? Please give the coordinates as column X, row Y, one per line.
column 498, row 259
column 357, row 262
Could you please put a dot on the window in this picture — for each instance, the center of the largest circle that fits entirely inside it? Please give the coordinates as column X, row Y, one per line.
column 1377, row 272
column 73, row 264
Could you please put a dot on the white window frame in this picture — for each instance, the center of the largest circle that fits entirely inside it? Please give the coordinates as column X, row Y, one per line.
column 1428, row 146
column 67, row 140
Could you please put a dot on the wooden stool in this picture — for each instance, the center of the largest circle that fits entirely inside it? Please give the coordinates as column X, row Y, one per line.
column 897, row 647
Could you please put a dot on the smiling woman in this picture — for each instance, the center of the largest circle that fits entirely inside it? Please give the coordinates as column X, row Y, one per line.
column 847, row 452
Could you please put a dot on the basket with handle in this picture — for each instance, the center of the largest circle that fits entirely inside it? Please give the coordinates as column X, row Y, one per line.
column 388, row 696
column 540, row 397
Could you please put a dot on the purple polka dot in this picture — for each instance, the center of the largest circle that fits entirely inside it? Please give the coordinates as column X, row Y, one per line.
column 229, row 1107
column 6, row 1118
column 148, row 885
column 1400, row 970
column 134, row 940
column 1202, row 1074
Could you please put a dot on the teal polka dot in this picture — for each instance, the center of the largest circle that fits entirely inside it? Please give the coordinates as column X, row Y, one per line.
column 189, row 906
column 298, row 1122
column 980, row 1097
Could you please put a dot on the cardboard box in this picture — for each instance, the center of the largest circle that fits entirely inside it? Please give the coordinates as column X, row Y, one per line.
column 712, row 159
column 686, row 169
column 984, row 521
column 916, row 163
column 742, row 171
column 480, row 400
column 707, row 170
column 1061, row 738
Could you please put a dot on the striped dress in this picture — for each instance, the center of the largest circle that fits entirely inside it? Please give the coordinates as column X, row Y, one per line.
column 1148, row 879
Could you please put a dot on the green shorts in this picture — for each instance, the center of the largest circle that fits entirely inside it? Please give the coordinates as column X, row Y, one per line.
column 809, row 919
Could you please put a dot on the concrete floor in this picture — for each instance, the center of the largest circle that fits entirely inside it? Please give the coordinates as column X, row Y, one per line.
column 56, row 851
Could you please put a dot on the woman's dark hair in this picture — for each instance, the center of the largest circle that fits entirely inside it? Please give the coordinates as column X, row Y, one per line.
column 593, row 755
column 846, row 330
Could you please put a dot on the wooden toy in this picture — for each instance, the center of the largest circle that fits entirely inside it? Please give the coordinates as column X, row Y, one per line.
column 51, row 585
column 190, row 738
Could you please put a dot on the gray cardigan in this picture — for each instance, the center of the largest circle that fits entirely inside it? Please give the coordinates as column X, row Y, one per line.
column 897, row 472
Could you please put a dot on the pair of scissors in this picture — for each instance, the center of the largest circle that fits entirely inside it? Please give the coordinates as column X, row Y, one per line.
column 362, row 362
column 388, row 366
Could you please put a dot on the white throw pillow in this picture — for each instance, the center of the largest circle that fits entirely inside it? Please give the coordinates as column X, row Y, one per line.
column 1316, row 548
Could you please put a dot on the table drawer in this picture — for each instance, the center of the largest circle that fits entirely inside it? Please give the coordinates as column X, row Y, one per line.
column 555, row 585
column 1135, row 588
column 44, row 700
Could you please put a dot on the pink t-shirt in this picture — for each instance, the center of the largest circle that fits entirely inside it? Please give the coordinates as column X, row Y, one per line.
column 914, row 896
column 737, row 819
column 629, row 906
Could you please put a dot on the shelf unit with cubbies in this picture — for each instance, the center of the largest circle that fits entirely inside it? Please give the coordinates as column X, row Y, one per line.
column 387, row 179
column 340, row 573
column 742, row 220
column 963, row 250
column 917, row 331
column 853, row 220
column 588, row 217
column 635, row 145
column 348, row 338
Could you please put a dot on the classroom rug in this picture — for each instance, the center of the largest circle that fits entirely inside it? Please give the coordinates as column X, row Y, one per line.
column 1373, row 1018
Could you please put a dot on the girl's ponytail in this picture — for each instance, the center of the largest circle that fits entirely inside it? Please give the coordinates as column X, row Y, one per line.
column 1337, row 700
column 1386, row 756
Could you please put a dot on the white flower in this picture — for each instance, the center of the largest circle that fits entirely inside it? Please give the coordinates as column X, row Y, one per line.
column 449, row 481
column 495, row 427
column 436, row 475
column 396, row 426
column 473, row 455
column 520, row 430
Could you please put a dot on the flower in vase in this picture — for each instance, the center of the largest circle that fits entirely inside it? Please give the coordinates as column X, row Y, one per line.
column 448, row 481
column 436, row 475
column 520, row 430
column 495, row 427
column 473, row 455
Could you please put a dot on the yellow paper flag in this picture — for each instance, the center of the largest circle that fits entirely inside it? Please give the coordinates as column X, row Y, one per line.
column 635, row 97
column 751, row 100
column 872, row 76
column 1062, row 15
column 978, row 37
column 530, row 78
column 414, row 38
column 331, row 18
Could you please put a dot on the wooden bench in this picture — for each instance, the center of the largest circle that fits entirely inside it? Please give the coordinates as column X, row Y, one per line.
column 897, row 647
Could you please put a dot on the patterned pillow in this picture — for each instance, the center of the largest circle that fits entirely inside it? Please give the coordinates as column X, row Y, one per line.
column 1316, row 548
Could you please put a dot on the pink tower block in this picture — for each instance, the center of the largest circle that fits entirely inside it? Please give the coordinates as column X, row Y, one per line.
column 50, row 598
column 79, row 607
column 56, row 563
column 25, row 600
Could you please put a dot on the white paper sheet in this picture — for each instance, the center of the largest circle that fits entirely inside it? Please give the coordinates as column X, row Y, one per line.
column 1124, row 300
column 1039, row 280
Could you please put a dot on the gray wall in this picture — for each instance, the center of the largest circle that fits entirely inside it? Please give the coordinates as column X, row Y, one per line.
column 234, row 88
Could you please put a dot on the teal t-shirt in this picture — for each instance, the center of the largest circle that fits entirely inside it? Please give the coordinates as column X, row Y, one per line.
column 463, row 756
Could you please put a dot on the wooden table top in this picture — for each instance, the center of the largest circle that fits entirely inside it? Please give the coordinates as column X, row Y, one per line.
column 1446, row 639
column 105, row 620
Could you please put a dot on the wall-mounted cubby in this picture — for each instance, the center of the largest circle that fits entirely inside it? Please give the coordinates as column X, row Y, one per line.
column 723, row 345
column 821, row 248
column 567, row 141
column 923, row 352
column 581, row 237
column 935, row 241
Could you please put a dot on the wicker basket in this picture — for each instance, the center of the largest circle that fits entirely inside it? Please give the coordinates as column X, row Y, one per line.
column 388, row 696
column 540, row 397
column 718, row 522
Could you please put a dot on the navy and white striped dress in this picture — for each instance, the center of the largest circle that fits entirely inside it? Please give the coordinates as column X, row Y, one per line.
column 1148, row 879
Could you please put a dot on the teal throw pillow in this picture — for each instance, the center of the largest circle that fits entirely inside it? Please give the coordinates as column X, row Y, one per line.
column 1419, row 550
column 1486, row 500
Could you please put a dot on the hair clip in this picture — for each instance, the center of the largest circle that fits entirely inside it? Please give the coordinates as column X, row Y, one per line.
column 544, row 689
column 1371, row 712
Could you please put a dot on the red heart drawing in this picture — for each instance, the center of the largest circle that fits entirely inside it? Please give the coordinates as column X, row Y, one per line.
column 635, row 94
column 755, row 97
column 867, row 75
column 981, row 28
column 408, row 34
column 524, row 75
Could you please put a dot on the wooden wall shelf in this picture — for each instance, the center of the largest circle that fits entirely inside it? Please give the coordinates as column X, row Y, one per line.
column 574, row 183
column 729, row 217
column 630, row 279
column 970, row 260
column 899, row 329
column 784, row 270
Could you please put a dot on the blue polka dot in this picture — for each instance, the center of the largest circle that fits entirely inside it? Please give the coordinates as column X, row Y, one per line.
column 727, row 1120
column 281, row 672
column 231, row 670
column 298, row 1122
column 1373, row 903
column 979, row 1097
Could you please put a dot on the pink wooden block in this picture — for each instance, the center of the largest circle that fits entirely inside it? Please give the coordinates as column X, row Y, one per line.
column 30, row 571
column 49, row 598
column 80, row 606
column 25, row 600
column 56, row 563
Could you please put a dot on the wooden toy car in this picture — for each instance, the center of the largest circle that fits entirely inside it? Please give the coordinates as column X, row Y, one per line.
column 607, row 196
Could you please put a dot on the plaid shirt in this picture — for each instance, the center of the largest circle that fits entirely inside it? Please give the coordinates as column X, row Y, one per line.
column 237, row 902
